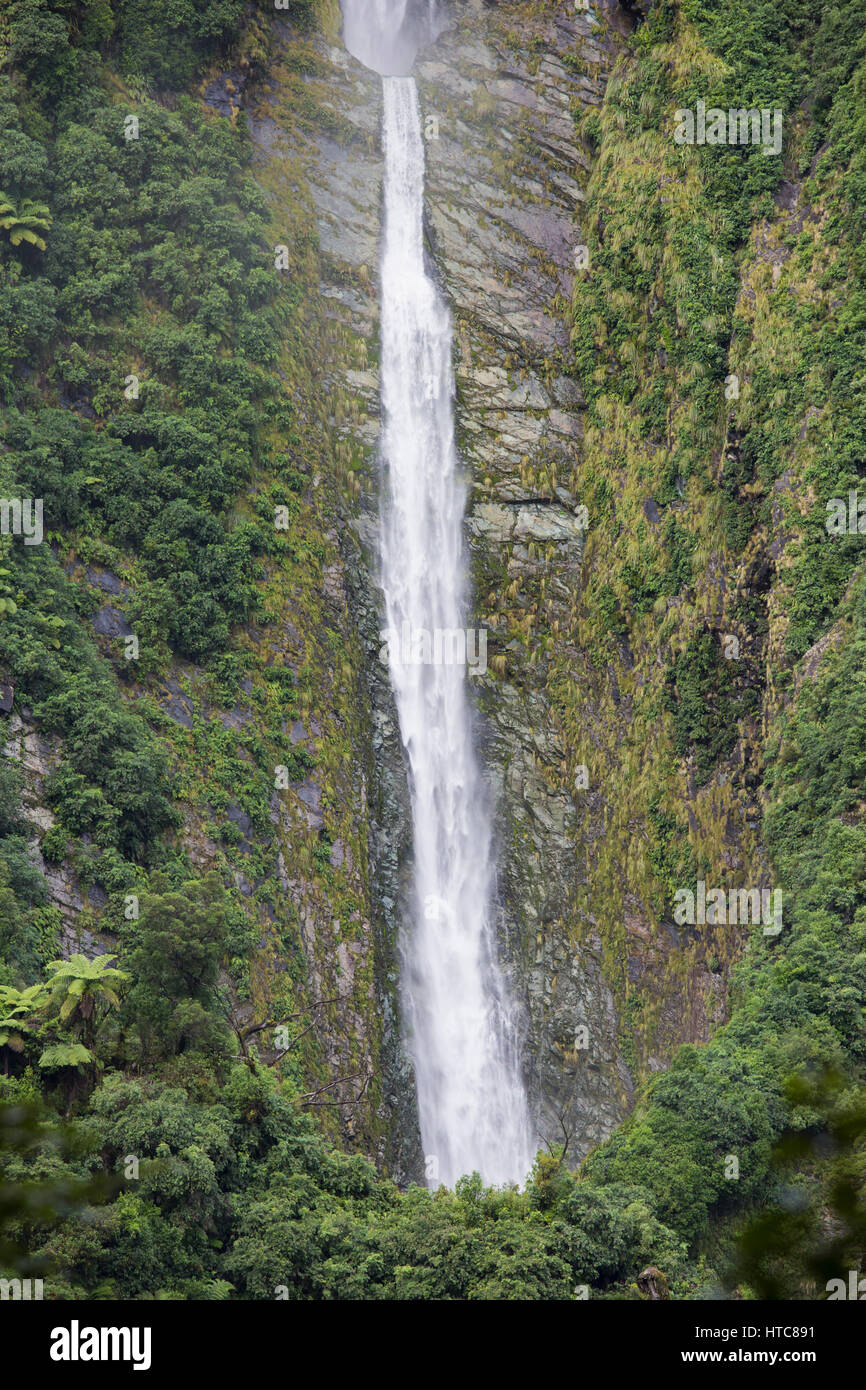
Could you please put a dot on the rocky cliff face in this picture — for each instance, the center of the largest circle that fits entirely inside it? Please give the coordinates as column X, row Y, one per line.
column 500, row 90
column 317, row 132
column 607, row 983
column 581, row 928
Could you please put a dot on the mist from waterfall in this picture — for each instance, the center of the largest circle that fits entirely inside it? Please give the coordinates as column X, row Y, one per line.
column 472, row 1104
column 385, row 35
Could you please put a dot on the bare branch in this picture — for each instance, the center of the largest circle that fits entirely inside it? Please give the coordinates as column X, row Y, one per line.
column 310, row 1098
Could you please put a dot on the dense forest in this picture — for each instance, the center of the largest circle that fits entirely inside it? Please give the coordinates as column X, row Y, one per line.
column 160, row 393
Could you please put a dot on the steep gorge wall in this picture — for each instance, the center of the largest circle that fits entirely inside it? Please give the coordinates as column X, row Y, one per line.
column 595, row 807
column 504, row 86
column 602, row 813
column 500, row 90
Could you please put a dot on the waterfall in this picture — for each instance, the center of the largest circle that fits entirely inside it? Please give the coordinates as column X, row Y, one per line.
column 472, row 1105
column 375, row 32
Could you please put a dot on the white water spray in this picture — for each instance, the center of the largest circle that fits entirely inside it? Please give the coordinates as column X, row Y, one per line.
column 471, row 1100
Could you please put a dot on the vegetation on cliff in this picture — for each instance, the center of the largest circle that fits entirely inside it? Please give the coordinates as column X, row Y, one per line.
column 146, row 345
column 724, row 382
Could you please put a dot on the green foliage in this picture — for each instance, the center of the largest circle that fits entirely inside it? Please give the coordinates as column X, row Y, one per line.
column 707, row 699
column 800, row 1003
column 672, row 236
column 39, row 1184
column 813, row 1230
column 171, row 216
column 672, row 856
column 65, row 1055
column 240, row 1193
column 80, row 989
column 52, row 43
column 22, row 887
column 174, row 952
column 113, row 784
column 24, row 222
column 167, row 39
column 16, row 1008
column 158, row 267
column 818, row 765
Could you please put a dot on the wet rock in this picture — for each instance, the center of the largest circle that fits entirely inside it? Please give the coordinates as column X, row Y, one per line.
column 110, row 622
column 235, row 718
column 105, row 580
column 652, row 1283
column 180, row 709
column 239, row 818
column 225, row 92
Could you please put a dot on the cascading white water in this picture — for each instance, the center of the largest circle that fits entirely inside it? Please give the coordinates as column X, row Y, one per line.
column 472, row 1104
column 377, row 33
